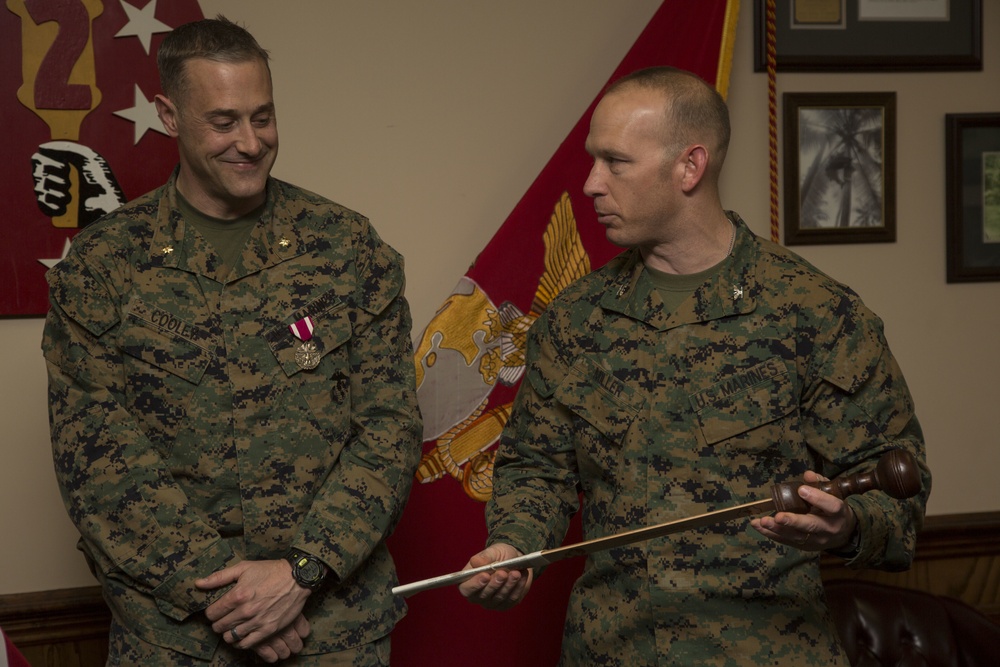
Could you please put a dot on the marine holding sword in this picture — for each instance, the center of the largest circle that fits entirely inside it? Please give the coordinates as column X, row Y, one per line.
column 691, row 373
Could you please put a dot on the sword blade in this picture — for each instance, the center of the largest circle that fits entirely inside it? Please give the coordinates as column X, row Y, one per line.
column 549, row 556
column 659, row 530
column 534, row 559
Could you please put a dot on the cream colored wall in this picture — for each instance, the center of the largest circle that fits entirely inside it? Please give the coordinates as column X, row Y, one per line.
column 434, row 117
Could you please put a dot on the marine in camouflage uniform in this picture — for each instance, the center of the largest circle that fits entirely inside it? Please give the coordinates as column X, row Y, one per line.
column 189, row 437
column 771, row 369
column 659, row 397
column 186, row 437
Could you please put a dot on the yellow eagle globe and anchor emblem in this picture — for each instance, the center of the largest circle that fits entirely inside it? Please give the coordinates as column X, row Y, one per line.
column 469, row 346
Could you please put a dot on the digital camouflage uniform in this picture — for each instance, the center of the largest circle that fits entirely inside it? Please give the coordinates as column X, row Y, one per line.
column 186, row 437
column 769, row 370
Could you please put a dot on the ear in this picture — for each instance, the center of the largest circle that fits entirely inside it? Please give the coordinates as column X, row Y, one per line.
column 695, row 163
column 167, row 113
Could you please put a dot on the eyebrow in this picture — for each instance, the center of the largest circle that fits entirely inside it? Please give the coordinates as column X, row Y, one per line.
column 605, row 152
column 232, row 113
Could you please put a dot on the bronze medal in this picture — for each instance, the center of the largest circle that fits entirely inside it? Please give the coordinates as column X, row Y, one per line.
column 307, row 355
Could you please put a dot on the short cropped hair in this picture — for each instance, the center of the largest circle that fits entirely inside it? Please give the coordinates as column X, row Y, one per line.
column 693, row 107
column 217, row 39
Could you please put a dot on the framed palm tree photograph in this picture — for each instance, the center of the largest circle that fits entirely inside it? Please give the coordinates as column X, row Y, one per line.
column 840, row 168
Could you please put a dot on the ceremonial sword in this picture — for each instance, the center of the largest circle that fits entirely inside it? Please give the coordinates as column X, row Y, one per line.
column 896, row 474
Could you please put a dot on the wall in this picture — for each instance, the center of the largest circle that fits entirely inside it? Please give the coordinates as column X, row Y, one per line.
column 434, row 117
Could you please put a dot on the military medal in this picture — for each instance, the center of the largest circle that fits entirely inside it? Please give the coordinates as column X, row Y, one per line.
column 307, row 354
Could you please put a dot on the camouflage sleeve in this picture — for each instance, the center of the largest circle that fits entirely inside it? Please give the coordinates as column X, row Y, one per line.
column 364, row 496
column 857, row 407
column 135, row 522
column 535, row 480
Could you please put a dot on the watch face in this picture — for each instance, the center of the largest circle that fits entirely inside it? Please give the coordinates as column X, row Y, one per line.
column 307, row 570
column 310, row 570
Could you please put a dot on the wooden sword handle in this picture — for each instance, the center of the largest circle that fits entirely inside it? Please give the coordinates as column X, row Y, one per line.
column 896, row 473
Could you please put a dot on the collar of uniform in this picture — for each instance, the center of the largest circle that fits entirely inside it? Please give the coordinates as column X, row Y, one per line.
column 730, row 292
column 168, row 247
column 278, row 238
column 275, row 240
column 629, row 295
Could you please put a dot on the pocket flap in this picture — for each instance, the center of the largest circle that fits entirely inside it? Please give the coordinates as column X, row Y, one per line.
column 160, row 338
column 745, row 400
column 331, row 329
column 601, row 399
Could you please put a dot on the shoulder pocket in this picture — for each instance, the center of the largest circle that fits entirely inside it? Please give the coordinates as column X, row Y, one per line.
column 331, row 329
column 381, row 274
column 745, row 400
column 74, row 289
column 854, row 358
column 161, row 339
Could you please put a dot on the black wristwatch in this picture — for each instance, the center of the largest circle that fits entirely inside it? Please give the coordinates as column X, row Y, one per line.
column 309, row 571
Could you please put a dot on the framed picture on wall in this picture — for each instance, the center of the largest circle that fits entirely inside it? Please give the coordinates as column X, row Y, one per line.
column 840, row 168
column 870, row 35
column 972, row 176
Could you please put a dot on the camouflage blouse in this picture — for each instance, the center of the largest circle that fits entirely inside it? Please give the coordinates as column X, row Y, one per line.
column 770, row 369
column 187, row 433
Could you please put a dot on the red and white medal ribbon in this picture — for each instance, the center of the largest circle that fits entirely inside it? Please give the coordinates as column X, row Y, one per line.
column 303, row 329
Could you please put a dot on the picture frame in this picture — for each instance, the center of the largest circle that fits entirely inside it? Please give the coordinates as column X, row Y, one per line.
column 840, row 167
column 863, row 35
column 972, row 196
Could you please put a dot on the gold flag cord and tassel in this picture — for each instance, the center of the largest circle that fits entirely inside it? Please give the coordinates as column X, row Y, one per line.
column 772, row 118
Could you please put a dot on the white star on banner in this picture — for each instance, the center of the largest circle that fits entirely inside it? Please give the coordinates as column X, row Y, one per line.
column 143, row 114
column 52, row 262
column 142, row 23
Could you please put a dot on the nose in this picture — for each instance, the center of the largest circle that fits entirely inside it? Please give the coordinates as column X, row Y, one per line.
column 594, row 186
column 247, row 141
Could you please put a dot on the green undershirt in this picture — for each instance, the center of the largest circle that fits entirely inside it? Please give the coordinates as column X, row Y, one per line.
column 674, row 288
column 227, row 237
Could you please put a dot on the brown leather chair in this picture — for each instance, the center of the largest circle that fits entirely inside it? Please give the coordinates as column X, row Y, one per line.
column 883, row 626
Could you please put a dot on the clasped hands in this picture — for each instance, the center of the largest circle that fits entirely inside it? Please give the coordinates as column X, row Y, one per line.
column 828, row 525
column 263, row 609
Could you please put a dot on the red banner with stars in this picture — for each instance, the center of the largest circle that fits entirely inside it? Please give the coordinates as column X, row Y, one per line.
column 77, row 80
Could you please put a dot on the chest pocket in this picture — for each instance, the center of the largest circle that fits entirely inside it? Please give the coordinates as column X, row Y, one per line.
column 605, row 408
column 331, row 329
column 164, row 341
column 745, row 401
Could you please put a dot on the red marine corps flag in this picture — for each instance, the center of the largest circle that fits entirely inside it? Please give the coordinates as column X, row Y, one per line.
column 470, row 359
column 80, row 133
